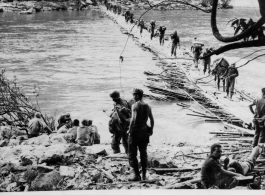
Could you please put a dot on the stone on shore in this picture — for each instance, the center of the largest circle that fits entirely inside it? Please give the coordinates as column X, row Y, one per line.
column 66, row 171
column 46, row 181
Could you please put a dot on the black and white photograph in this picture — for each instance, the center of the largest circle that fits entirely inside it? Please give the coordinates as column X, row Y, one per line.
column 164, row 96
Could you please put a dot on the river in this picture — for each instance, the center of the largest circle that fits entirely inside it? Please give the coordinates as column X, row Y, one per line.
column 73, row 59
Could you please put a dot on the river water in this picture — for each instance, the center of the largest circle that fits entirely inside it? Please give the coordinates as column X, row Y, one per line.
column 73, row 59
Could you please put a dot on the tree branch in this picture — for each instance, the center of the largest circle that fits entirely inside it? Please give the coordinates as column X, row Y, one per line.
column 244, row 34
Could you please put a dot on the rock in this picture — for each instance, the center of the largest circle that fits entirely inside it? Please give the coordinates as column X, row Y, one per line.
column 29, row 175
column 4, row 142
column 28, row 160
column 52, row 159
column 10, row 187
column 44, row 169
column 58, row 139
column 96, row 150
column 72, row 147
column 14, row 142
column 40, row 140
column 46, row 181
column 97, row 177
column 67, row 171
column 5, row 170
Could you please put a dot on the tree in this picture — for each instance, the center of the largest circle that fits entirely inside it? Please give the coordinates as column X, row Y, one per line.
column 233, row 40
column 15, row 108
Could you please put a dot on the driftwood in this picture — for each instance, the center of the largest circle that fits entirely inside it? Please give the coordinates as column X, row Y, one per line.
column 179, row 185
column 164, row 170
column 225, row 133
column 245, row 131
column 152, row 181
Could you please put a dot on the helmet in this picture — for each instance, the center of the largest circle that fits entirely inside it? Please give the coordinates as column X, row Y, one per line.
column 115, row 95
column 138, row 91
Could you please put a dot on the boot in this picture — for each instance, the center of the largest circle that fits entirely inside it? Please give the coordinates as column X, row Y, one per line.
column 231, row 95
column 143, row 174
column 136, row 175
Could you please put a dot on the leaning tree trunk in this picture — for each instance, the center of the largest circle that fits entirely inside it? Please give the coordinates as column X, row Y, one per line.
column 247, row 33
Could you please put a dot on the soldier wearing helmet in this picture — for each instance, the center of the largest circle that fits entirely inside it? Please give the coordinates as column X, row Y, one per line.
column 119, row 123
column 152, row 25
column 139, row 133
column 37, row 126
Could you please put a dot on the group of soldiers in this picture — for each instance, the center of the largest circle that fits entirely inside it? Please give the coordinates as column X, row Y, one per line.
column 85, row 135
column 128, row 120
column 128, row 123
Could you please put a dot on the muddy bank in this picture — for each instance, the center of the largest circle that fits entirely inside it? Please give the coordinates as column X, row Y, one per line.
column 49, row 163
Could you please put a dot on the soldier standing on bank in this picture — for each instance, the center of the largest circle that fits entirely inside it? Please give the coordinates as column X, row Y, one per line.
column 139, row 133
column 119, row 122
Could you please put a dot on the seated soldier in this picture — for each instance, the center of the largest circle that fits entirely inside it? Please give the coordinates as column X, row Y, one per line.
column 84, row 134
column 212, row 173
column 63, row 120
column 63, row 129
column 243, row 166
column 36, row 126
column 95, row 138
column 72, row 133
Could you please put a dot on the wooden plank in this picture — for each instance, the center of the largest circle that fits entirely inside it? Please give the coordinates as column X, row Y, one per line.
column 247, row 131
column 165, row 170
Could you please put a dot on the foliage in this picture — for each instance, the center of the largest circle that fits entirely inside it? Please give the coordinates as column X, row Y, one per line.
column 15, row 108
column 226, row 3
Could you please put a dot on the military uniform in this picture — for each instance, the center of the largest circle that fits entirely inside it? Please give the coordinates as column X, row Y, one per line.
column 120, row 133
column 230, row 81
column 139, row 137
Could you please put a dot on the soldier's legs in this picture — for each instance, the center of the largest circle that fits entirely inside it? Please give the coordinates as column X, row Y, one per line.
column 262, row 135
column 132, row 152
column 195, row 59
column 205, row 67
column 256, row 136
column 115, row 143
column 125, row 142
column 227, row 86
column 172, row 48
column 232, row 86
column 143, row 154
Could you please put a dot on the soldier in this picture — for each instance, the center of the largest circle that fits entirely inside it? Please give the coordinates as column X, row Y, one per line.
column 139, row 133
column 119, row 122
column 175, row 43
column 141, row 25
column 36, row 126
column 162, row 30
column 230, row 78
column 153, row 25
column 259, row 119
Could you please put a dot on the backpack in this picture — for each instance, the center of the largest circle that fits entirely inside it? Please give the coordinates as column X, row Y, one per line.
column 119, row 121
column 197, row 48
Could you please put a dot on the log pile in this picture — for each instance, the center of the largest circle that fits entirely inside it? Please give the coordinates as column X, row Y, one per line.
column 174, row 85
